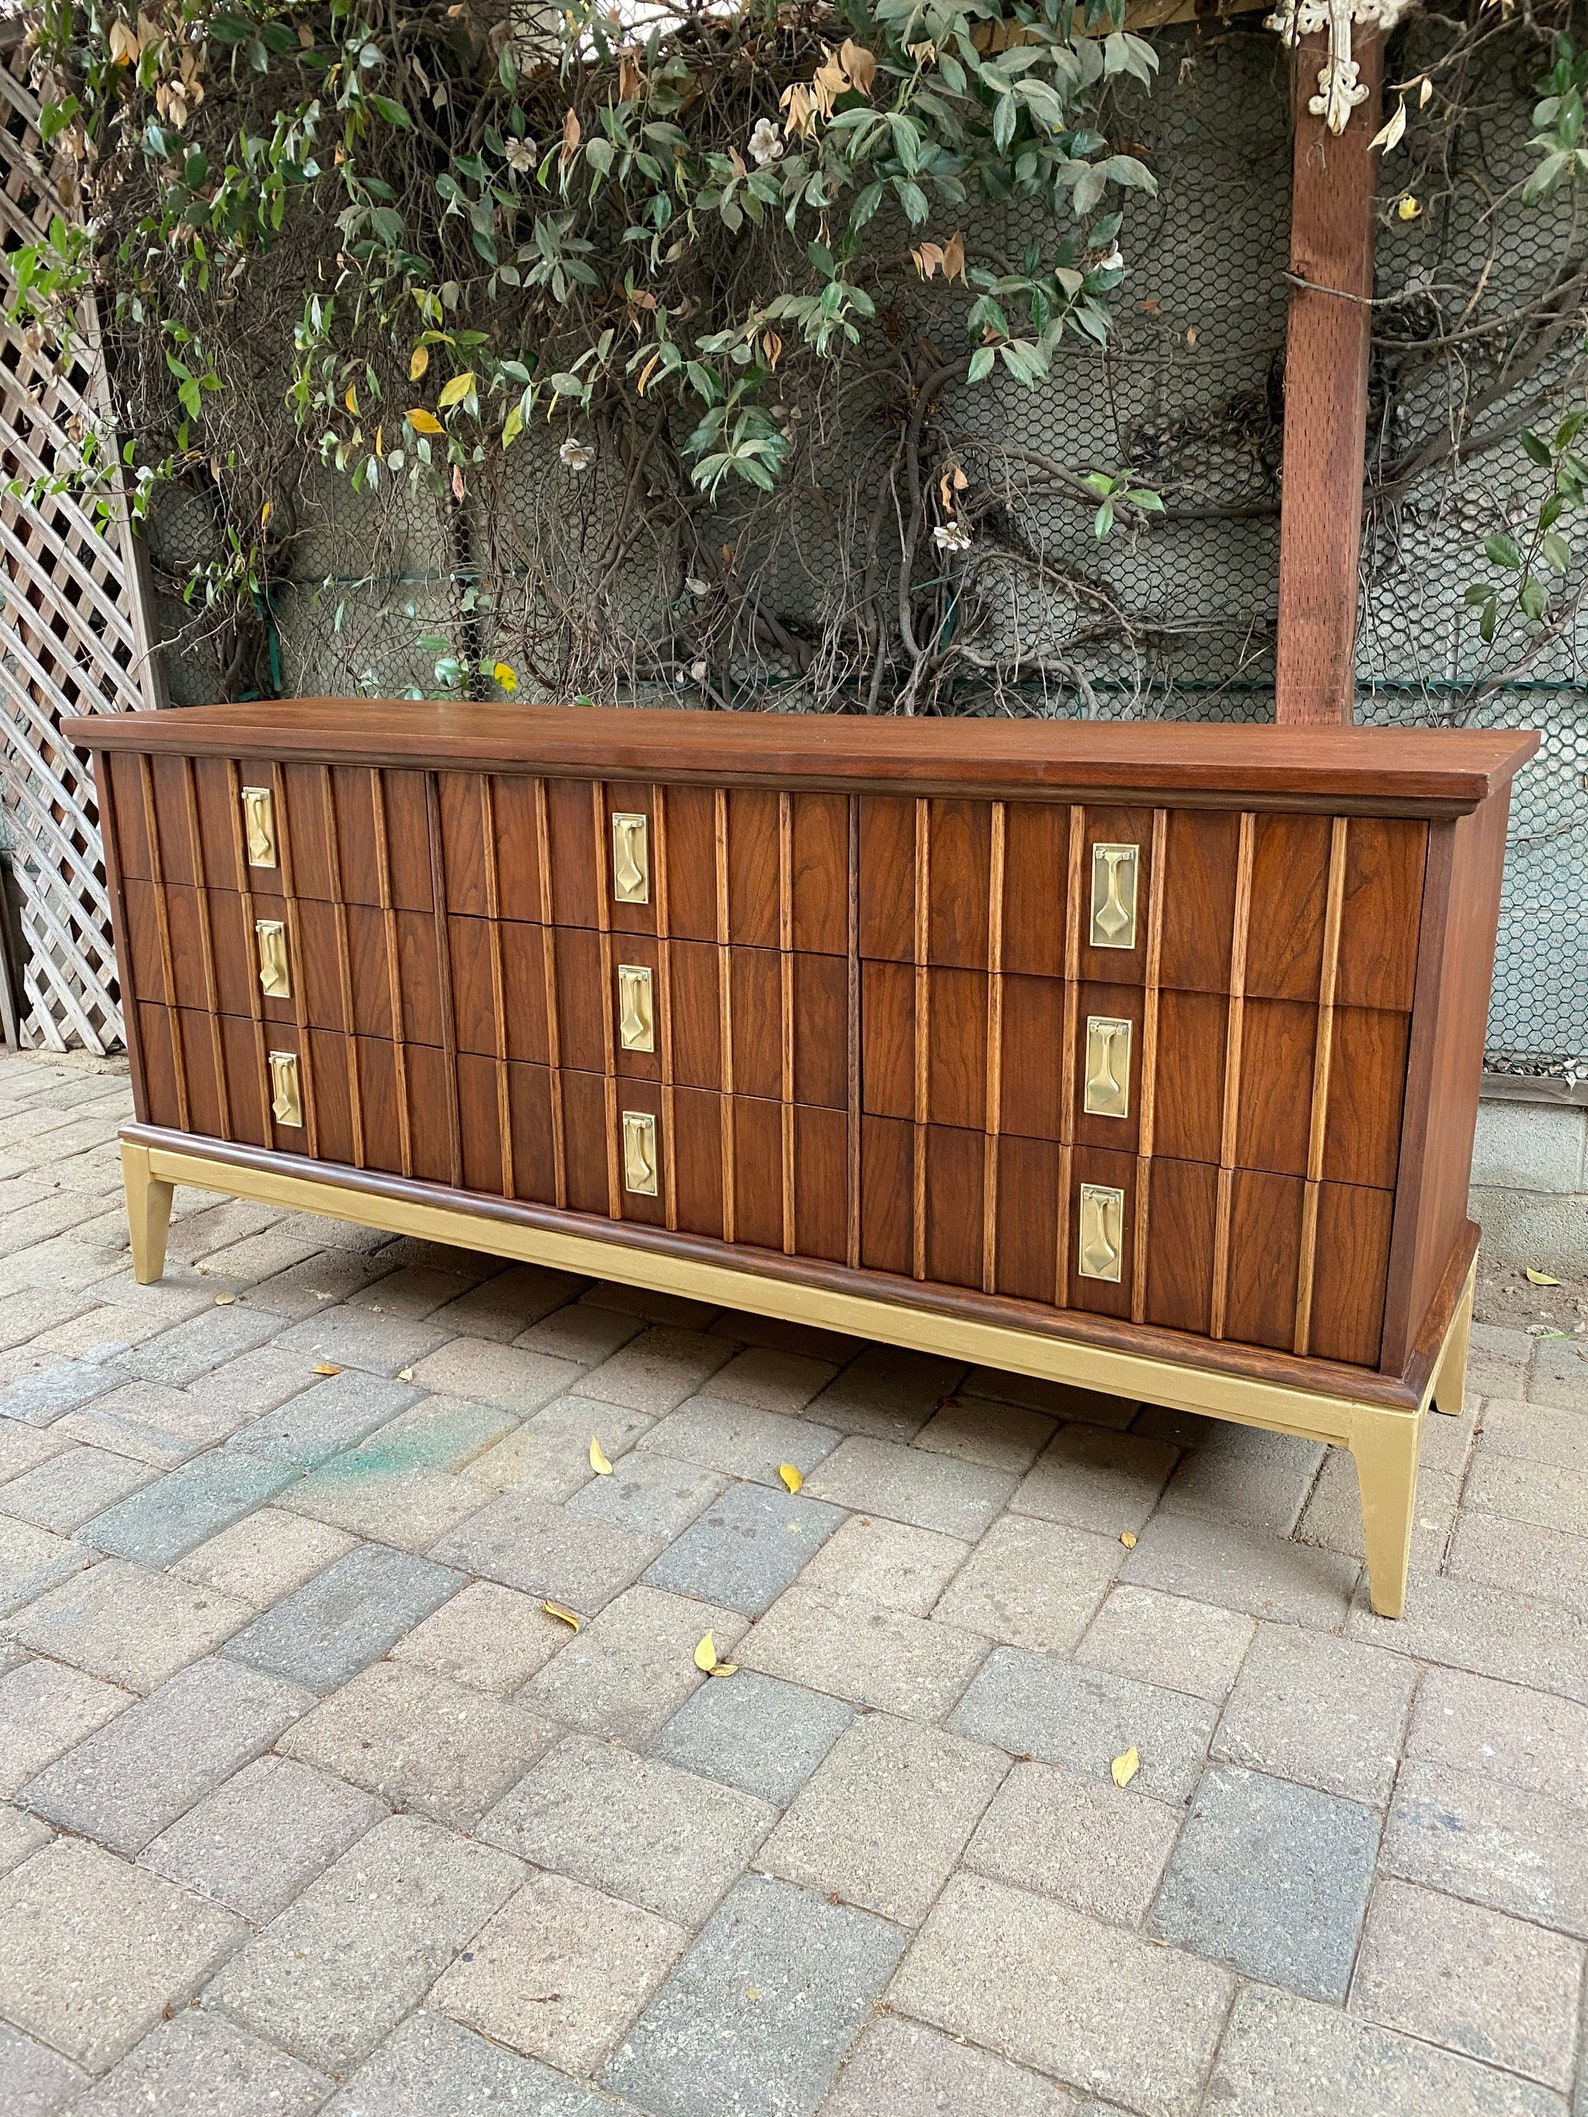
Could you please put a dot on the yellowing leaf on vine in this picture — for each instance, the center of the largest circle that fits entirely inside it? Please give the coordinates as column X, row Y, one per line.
column 859, row 64
column 264, row 514
column 1540, row 1278
column 571, row 136
column 512, row 426
column 506, row 679
column 1409, row 208
column 790, row 1476
column 456, row 390
column 123, row 44
column 351, row 398
column 424, row 422
column 1125, row 1766
column 418, row 362
column 1391, row 134
column 598, row 1455
column 563, row 1614
column 706, row 1655
column 380, row 441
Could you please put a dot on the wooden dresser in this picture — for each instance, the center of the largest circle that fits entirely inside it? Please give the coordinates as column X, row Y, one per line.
column 1140, row 1057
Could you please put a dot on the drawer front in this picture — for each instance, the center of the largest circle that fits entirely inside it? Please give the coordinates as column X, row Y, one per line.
column 742, row 1020
column 353, row 968
column 1192, row 900
column 340, row 833
column 759, row 869
column 732, row 1167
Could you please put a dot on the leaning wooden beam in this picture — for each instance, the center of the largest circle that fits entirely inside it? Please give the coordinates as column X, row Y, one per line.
column 1326, row 369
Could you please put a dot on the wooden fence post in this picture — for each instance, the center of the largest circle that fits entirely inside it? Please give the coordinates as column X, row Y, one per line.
column 1326, row 364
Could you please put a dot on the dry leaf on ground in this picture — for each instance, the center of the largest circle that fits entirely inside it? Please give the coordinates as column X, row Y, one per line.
column 1125, row 1766
column 790, row 1476
column 1128, row 1538
column 562, row 1611
column 1540, row 1278
column 325, row 1367
column 598, row 1459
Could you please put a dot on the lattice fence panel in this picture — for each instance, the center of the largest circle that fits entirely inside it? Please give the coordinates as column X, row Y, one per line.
column 72, row 636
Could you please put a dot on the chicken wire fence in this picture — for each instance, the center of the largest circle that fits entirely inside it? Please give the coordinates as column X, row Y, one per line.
column 1176, row 620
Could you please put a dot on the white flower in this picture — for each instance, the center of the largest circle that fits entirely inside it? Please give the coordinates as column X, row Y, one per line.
column 952, row 536
column 766, row 144
column 696, row 585
column 1113, row 262
column 575, row 454
column 520, row 156
column 698, row 671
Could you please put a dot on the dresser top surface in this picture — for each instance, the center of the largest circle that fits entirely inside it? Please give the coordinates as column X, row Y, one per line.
column 1410, row 770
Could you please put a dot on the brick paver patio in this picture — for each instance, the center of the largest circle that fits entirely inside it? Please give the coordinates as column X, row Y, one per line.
column 307, row 1803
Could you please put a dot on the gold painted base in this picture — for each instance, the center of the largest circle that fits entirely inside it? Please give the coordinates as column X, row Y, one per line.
column 1383, row 1441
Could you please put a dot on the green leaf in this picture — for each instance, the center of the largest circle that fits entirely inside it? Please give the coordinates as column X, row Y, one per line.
column 982, row 362
column 1538, row 451
column 1500, row 550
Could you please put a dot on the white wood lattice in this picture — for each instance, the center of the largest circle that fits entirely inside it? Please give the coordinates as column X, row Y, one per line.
column 72, row 633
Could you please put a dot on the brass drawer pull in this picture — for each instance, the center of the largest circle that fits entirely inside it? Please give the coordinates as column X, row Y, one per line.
column 1102, row 1231
column 286, row 1093
column 274, row 980
column 631, row 859
column 259, row 826
column 639, row 1153
column 636, row 1021
column 1107, row 1066
column 1114, row 895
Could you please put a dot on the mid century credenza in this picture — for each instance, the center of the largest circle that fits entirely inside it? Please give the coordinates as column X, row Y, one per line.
column 1140, row 1057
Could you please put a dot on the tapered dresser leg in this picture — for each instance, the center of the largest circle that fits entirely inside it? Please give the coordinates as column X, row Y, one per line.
column 148, row 1212
column 1385, row 1445
column 1450, row 1376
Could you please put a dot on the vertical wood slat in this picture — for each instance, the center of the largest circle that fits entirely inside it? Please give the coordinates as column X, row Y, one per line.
column 1240, row 933
column 388, row 909
column 116, row 868
column 785, row 942
column 1322, row 1061
column 344, row 962
column 489, row 853
column 300, row 1011
column 1072, row 1000
column 852, row 942
column 993, row 1109
column 559, row 1128
column 443, row 945
column 163, row 926
column 603, row 874
column 730, row 1213
column 923, row 1028
column 245, row 890
column 212, row 992
column 1148, row 1090
column 664, row 998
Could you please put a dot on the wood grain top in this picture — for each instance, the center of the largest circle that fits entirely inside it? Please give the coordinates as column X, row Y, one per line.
column 1413, row 771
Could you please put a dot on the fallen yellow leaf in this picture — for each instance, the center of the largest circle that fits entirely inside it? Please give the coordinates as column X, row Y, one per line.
column 325, row 1367
column 706, row 1654
column 598, row 1459
column 1540, row 1278
column 1128, row 1538
column 790, row 1476
column 405, row 1374
column 1125, row 1767
column 424, row 422
column 562, row 1611
column 419, row 362
column 224, row 1300
column 723, row 1668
